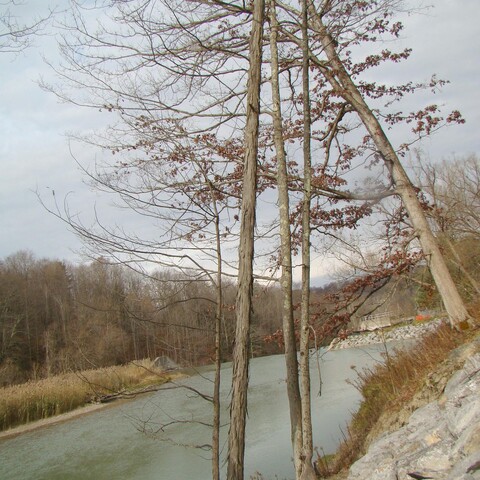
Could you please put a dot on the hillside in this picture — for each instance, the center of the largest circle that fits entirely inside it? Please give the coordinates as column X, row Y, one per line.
column 430, row 430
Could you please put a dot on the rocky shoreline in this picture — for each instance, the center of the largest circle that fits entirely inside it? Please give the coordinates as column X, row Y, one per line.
column 440, row 440
column 404, row 332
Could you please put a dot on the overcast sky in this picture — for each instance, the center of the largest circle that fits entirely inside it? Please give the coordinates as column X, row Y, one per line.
column 35, row 154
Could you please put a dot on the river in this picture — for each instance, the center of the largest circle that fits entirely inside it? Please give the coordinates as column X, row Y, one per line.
column 123, row 441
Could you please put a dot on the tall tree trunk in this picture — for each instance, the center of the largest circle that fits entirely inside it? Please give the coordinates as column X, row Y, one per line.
column 286, row 281
column 307, row 454
column 238, row 406
column 218, row 352
column 341, row 81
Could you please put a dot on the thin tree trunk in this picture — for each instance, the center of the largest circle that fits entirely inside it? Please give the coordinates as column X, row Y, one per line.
column 218, row 352
column 307, row 454
column 344, row 86
column 286, row 281
column 238, row 405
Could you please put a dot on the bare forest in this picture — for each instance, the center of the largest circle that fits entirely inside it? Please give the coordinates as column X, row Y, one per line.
column 57, row 318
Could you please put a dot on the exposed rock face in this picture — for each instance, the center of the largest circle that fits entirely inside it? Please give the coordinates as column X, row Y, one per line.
column 440, row 441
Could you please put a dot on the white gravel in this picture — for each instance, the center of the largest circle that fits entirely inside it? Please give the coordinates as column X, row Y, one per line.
column 381, row 336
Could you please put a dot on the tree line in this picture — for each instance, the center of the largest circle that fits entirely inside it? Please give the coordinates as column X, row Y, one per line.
column 57, row 317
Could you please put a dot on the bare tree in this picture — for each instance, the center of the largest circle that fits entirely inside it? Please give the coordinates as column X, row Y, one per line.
column 15, row 35
column 238, row 405
column 341, row 81
column 286, row 280
column 186, row 107
column 336, row 27
column 307, row 472
column 453, row 189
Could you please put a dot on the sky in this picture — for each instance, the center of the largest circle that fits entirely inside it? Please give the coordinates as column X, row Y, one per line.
column 37, row 158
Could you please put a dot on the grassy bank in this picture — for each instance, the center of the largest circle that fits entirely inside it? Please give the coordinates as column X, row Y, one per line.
column 41, row 399
column 390, row 388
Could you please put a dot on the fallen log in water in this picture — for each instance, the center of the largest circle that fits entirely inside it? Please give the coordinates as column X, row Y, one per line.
column 123, row 394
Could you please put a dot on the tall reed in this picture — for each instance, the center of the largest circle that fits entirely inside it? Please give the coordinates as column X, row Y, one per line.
column 34, row 400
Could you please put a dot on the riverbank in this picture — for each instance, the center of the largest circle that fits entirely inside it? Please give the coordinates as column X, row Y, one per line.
column 396, row 333
column 440, row 439
column 420, row 410
column 46, row 422
column 114, row 400
column 68, row 393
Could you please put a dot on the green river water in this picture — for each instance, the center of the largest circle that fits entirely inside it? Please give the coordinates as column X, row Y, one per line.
column 111, row 444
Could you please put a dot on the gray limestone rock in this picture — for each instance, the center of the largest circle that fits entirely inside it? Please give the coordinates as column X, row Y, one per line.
column 441, row 440
column 467, row 468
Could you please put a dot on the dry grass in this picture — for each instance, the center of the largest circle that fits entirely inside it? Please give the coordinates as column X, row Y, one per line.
column 387, row 387
column 36, row 400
